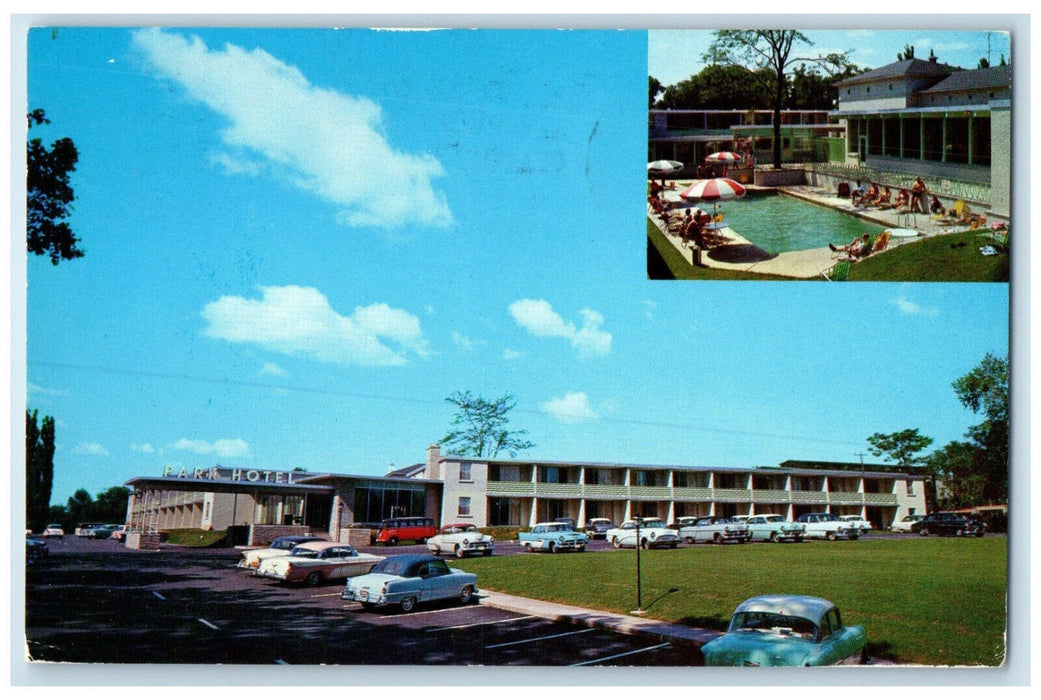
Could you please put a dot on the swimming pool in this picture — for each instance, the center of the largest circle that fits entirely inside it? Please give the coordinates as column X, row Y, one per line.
column 778, row 223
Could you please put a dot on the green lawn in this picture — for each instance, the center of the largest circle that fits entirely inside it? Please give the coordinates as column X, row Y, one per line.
column 948, row 258
column 934, row 601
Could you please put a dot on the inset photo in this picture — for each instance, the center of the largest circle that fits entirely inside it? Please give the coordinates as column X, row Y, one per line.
column 829, row 155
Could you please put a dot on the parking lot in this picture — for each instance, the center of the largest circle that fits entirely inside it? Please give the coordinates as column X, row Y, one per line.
column 95, row 601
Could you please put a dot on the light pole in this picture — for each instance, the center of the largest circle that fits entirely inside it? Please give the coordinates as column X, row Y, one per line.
column 639, row 591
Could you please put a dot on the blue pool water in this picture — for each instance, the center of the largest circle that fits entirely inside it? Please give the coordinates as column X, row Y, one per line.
column 778, row 223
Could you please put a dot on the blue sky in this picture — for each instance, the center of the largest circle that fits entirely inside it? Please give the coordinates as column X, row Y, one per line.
column 675, row 55
column 299, row 242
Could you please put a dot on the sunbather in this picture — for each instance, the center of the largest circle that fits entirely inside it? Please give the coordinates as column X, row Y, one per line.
column 918, row 193
column 858, row 247
column 903, row 198
column 936, row 207
column 869, row 196
column 882, row 198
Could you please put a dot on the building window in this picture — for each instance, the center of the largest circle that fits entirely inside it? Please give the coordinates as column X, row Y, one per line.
column 465, row 472
column 464, row 506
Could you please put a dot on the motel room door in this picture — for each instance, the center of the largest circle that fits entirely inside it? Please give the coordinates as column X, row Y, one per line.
column 317, row 512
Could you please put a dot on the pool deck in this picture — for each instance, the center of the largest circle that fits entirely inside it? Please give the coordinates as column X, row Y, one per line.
column 800, row 264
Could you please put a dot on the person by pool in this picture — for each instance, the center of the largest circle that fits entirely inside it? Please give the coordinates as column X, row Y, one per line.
column 918, row 192
column 857, row 248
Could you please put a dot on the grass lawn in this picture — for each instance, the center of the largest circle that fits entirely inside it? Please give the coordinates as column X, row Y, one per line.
column 947, row 258
column 933, row 601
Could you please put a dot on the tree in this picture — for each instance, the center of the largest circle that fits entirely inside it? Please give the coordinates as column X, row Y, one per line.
column 110, row 506
column 39, row 470
column 757, row 50
column 903, row 447
column 907, row 54
column 954, row 466
column 49, row 196
column 654, row 87
column 481, row 430
column 985, row 390
column 79, row 507
column 716, row 87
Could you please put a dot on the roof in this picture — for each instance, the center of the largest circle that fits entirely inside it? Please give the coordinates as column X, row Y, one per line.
column 803, row 606
column 408, row 472
column 980, row 79
column 910, row 68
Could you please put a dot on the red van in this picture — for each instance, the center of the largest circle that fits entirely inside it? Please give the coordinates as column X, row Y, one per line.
column 396, row 530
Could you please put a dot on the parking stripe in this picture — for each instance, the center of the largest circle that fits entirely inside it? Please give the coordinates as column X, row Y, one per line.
column 325, row 595
column 158, row 595
column 208, row 624
column 618, row 656
column 539, row 639
column 479, row 624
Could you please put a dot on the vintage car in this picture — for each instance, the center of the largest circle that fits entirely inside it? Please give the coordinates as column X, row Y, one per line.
column 315, row 562
column 715, row 529
column 906, row 523
column 35, row 547
column 120, row 534
column 786, row 630
column 103, row 532
column 857, row 521
column 53, row 530
column 553, row 537
column 950, row 524
column 394, row 530
column 773, row 528
column 827, row 526
column 461, row 539
column 85, row 529
column 407, row 579
column 652, row 535
column 279, row 547
column 596, row 528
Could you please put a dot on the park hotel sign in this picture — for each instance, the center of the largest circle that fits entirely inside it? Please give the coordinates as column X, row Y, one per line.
column 252, row 476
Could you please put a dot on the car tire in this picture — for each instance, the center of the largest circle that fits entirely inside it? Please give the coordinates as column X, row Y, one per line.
column 688, row 540
column 459, row 551
column 832, row 537
column 922, row 532
column 368, row 606
column 436, row 551
column 674, row 545
column 716, row 539
column 797, row 539
column 773, row 536
column 959, row 532
column 313, row 578
column 408, row 604
column 853, row 537
column 392, row 541
column 466, row 595
column 615, row 543
column 645, row 544
column 551, row 548
column 527, row 547
column 580, row 548
column 487, row 553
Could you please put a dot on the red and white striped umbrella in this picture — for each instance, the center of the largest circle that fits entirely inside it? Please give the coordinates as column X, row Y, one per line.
column 714, row 189
column 724, row 157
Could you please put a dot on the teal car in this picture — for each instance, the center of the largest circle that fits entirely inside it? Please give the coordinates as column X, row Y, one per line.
column 786, row 630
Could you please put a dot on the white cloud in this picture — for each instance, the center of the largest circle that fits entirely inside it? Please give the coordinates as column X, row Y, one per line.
column 90, row 448
column 271, row 369
column 144, row 447
column 573, row 407
column 37, row 390
column 235, row 447
column 508, row 354
column 462, row 341
column 325, row 142
column 539, row 319
column 911, row 308
column 299, row 321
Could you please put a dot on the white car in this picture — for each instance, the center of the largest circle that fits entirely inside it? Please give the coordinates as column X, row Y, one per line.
column 315, row 562
column 827, row 526
column 715, row 529
column 905, row 523
column 54, row 530
column 280, row 547
column 857, row 521
column 461, row 539
column 652, row 534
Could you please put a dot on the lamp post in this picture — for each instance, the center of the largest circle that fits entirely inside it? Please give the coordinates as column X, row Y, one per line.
column 639, row 591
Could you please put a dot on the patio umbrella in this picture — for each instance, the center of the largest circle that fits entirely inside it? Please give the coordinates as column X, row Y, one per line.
column 724, row 157
column 902, row 232
column 663, row 167
column 713, row 190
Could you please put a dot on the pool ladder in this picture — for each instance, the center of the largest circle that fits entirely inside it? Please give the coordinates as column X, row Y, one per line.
column 908, row 219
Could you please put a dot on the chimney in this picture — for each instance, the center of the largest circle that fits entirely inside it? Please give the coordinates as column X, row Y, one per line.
column 433, row 470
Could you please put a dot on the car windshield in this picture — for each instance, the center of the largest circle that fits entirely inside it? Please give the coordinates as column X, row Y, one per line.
column 774, row 623
column 557, row 527
column 283, row 544
column 652, row 523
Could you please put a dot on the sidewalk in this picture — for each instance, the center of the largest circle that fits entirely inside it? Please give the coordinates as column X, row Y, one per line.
column 624, row 624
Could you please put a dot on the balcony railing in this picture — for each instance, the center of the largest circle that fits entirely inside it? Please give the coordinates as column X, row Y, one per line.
column 817, row 497
column 692, row 493
column 945, row 187
column 511, row 488
column 880, row 499
column 743, row 495
column 846, row 498
column 770, row 496
column 565, row 490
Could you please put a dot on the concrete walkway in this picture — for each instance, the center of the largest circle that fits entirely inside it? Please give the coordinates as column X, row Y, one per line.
column 624, row 624
column 800, row 264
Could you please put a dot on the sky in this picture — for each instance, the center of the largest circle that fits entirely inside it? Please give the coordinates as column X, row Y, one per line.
column 675, row 55
column 300, row 242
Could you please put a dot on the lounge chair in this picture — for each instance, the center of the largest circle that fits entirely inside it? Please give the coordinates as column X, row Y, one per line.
column 881, row 242
column 839, row 272
column 956, row 214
